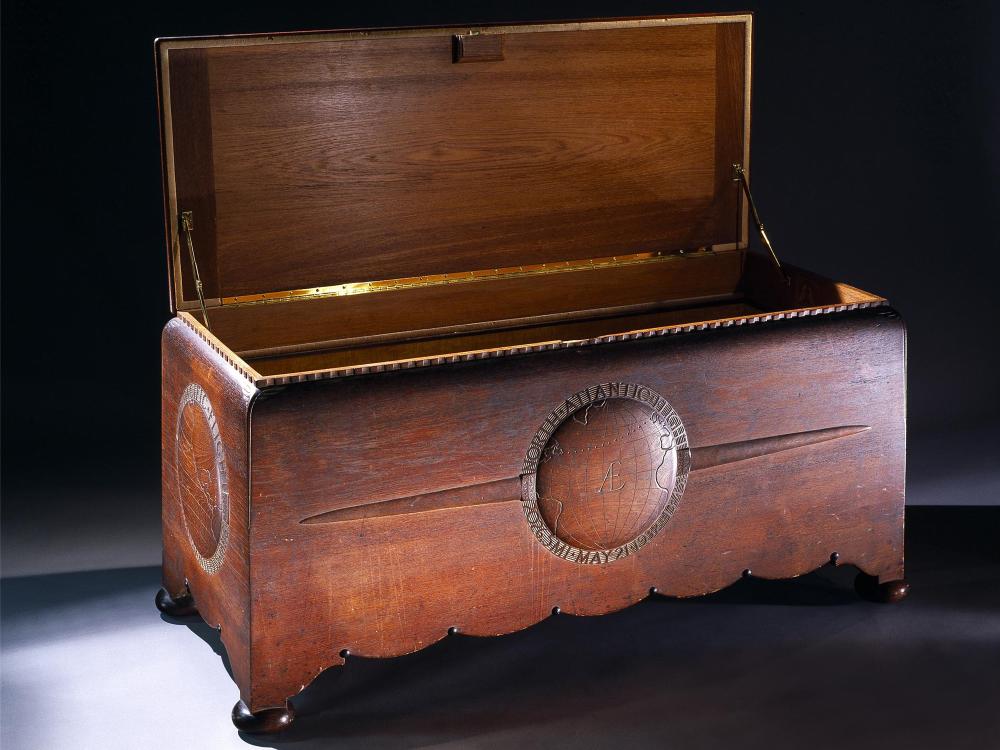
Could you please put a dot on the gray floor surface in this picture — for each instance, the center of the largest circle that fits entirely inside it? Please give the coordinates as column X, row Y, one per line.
column 87, row 662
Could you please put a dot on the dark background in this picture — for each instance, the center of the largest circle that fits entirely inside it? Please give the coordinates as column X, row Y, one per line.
column 875, row 161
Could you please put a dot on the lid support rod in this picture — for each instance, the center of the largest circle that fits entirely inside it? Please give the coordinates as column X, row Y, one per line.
column 740, row 176
column 187, row 222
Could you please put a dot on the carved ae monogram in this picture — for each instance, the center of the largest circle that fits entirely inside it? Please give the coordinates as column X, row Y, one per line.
column 610, row 477
column 605, row 472
column 202, row 483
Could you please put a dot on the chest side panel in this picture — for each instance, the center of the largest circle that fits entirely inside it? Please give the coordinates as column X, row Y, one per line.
column 205, row 407
column 397, row 505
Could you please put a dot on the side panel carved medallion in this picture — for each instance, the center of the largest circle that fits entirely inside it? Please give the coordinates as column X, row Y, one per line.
column 202, row 483
column 605, row 473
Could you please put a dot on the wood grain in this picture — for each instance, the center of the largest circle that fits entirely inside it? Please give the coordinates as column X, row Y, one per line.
column 710, row 456
column 469, row 48
column 500, row 491
column 372, row 513
column 322, row 336
column 479, row 568
column 191, row 123
column 730, row 84
column 421, row 354
column 221, row 597
column 203, row 477
column 476, row 305
column 361, row 354
column 509, row 490
column 340, row 161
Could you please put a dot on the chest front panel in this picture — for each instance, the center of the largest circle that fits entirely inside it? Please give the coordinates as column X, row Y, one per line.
column 417, row 492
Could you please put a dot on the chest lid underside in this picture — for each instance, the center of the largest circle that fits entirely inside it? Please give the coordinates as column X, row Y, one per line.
column 311, row 162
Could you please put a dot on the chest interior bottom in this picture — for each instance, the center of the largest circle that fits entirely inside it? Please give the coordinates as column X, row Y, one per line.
column 454, row 316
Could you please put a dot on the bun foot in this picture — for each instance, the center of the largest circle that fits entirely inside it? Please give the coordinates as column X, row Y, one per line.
column 868, row 587
column 181, row 606
column 267, row 721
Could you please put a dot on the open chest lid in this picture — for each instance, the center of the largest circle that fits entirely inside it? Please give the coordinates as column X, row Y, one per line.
column 337, row 162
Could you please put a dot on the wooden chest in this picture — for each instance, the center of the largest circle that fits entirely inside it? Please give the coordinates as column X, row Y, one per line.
column 468, row 333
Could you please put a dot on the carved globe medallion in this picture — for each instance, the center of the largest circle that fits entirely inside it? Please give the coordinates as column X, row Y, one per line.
column 202, row 483
column 605, row 472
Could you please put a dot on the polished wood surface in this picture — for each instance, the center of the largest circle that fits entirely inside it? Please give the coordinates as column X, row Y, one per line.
column 336, row 356
column 265, row 721
column 181, row 605
column 219, row 588
column 309, row 337
column 883, row 592
column 306, row 324
column 467, row 48
column 331, row 358
column 439, row 538
column 191, row 125
column 333, row 161
column 364, row 472
column 478, row 567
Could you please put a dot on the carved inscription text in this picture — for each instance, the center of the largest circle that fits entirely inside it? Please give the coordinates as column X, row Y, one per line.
column 605, row 472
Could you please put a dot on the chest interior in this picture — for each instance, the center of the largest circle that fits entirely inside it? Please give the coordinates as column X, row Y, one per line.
column 356, row 198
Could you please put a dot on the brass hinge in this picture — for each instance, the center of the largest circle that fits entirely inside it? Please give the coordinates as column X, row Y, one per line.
column 187, row 223
column 740, row 176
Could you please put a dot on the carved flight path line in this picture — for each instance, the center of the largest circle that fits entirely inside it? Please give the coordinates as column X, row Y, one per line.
column 509, row 490
column 500, row 491
column 728, row 453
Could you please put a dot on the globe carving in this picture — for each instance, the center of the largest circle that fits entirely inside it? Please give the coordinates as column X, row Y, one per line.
column 199, row 486
column 202, row 484
column 606, row 474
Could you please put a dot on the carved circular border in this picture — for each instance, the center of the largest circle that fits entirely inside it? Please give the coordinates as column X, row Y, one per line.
column 195, row 394
column 661, row 412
